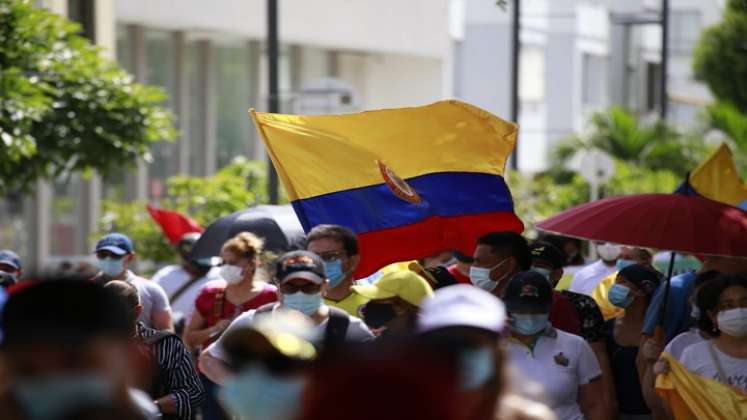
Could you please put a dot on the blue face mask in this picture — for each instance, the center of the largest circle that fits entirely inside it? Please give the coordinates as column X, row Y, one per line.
column 54, row 396
column 111, row 267
column 334, row 272
column 476, row 367
column 620, row 264
column 480, row 277
column 529, row 324
column 300, row 301
column 620, row 296
column 256, row 394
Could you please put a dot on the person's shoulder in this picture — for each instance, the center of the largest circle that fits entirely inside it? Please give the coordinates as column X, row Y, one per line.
column 166, row 271
column 269, row 288
column 213, row 286
column 570, row 339
column 696, row 348
column 683, row 280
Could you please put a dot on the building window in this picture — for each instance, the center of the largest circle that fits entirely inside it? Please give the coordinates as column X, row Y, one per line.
column 83, row 12
column 652, row 94
column 531, row 74
column 233, row 85
column 685, row 29
column 594, row 73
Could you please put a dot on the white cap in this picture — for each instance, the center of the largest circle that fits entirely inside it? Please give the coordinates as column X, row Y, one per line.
column 462, row 305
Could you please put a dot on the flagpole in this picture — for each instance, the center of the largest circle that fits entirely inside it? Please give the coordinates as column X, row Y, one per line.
column 273, row 100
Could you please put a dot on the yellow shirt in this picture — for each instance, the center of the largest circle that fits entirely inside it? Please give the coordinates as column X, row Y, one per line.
column 352, row 304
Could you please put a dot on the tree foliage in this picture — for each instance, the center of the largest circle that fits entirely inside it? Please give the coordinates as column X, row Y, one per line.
column 64, row 107
column 720, row 58
column 237, row 186
column 624, row 136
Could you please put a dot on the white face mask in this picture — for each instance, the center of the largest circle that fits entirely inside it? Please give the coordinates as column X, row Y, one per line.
column 608, row 251
column 733, row 322
column 232, row 274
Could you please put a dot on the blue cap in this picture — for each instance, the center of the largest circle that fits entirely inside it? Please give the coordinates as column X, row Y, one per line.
column 115, row 242
column 10, row 258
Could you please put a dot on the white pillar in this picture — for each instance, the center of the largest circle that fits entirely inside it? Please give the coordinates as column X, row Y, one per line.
column 137, row 180
column 181, row 103
column 208, row 105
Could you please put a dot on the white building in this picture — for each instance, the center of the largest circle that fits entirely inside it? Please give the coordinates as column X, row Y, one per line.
column 576, row 57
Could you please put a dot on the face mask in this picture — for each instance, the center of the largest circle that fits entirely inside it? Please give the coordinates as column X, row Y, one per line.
column 529, row 324
column 733, row 322
column 623, row 263
column 476, row 367
column 695, row 313
column 620, row 296
column 111, row 267
column 480, row 277
column 543, row 271
column 300, row 301
column 334, row 272
column 232, row 274
column 54, row 396
column 608, row 251
column 257, row 395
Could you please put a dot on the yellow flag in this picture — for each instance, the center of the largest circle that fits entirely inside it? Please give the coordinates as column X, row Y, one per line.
column 599, row 295
column 690, row 396
column 717, row 179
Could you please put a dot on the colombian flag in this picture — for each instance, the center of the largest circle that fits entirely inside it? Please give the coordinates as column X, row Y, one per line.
column 410, row 182
column 717, row 179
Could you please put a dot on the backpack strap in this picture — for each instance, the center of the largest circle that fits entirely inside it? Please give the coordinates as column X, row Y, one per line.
column 218, row 303
column 183, row 288
column 337, row 328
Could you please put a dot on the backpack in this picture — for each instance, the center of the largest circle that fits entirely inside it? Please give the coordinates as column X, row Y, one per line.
column 337, row 325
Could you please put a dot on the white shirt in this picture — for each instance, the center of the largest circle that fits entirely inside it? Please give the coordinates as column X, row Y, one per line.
column 697, row 359
column 587, row 279
column 173, row 277
column 683, row 341
column 357, row 331
column 152, row 297
column 561, row 362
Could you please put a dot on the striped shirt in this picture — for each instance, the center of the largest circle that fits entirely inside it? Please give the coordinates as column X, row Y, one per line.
column 178, row 375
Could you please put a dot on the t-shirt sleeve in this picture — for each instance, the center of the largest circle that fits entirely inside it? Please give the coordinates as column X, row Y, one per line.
column 160, row 300
column 242, row 321
column 588, row 366
column 652, row 313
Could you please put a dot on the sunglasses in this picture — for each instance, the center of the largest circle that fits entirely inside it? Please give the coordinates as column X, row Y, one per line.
column 108, row 254
column 308, row 289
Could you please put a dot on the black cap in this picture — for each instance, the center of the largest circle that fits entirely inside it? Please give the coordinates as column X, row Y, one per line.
column 545, row 251
column 300, row 264
column 645, row 278
column 528, row 291
column 63, row 311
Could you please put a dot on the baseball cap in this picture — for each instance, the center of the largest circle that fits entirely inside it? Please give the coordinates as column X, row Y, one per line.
column 280, row 332
column 528, row 291
column 462, row 305
column 547, row 252
column 117, row 243
column 300, row 265
column 404, row 284
column 10, row 258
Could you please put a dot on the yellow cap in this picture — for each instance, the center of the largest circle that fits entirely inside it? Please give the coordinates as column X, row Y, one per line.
column 404, row 284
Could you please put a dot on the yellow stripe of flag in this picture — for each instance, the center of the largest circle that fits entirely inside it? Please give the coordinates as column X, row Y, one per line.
column 322, row 154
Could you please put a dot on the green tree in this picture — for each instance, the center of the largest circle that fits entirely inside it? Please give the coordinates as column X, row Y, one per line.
column 720, row 57
column 625, row 137
column 64, row 108
column 237, row 186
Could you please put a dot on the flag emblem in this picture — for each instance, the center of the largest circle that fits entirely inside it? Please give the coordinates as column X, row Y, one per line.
column 399, row 187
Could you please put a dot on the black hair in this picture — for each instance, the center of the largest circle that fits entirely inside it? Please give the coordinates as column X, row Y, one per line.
column 709, row 296
column 510, row 243
column 339, row 233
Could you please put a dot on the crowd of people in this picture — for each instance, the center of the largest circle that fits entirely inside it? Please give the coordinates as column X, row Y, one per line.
column 454, row 336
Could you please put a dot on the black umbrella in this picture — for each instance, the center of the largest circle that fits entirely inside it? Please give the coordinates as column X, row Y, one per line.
column 277, row 225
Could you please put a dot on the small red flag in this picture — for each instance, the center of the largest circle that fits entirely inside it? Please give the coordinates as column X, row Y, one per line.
column 174, row 224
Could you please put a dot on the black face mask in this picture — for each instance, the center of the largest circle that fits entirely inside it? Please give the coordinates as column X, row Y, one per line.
column 377, row 315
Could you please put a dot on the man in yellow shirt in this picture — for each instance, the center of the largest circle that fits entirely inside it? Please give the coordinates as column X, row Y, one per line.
column 338, row 247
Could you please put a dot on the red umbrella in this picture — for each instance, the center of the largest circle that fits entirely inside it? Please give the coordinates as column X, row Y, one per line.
column 674, row 222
